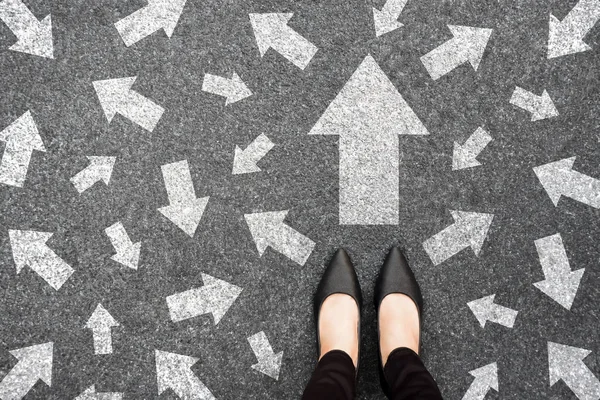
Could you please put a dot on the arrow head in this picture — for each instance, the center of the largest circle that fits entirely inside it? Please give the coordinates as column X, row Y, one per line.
column 270, row 365
column 263, row 225
column 22, row 134
column 27, row 246
column 101, row 319
column 563, row 360
column 267, row 27
column 36, row 39
column 555, row 176
column 240, row 92
column 474, row 227
column 385, row 22
column 113, row 94
column 545, row 108
column 129, row 257
column 562, row 289
column 37, row 360
column 487, row 375
column 562, row 40
column 482, row 308
column 243, row 163
column 172, row 369
column 463, row 157
column 219, row 294
column 472, row 40
column 186, row 215
column 167, row 13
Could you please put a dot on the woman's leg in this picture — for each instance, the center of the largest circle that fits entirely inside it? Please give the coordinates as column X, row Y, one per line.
column 408, row 378
column 333, row 378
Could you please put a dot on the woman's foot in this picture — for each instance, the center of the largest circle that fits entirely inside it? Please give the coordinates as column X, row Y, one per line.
column 338, row 325
column 398, row 324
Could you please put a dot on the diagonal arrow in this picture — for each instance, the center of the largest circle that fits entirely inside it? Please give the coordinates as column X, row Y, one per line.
column 233, row 89
column 91, row 394
column 128, row 253
column 269, row 230
column 386, row 20
column 468, row 44
column 486, row 378
column 158, row 14
column 185, row 209
column 271, row 30
column 101, row 322
column 29, row 248
column 486, row 310
column 215, row 297
column 116, row 97
column 469, row 230
column 559, row 179
column 566, row 36
column 465, row 155
column 22, row 138
column 173, row 371
column 99, row 169
column 33, row 36
column 566, row 363
column 35, row 363
column 244, row 161
column 561, row 283
column 540, row 107
column 269, row 363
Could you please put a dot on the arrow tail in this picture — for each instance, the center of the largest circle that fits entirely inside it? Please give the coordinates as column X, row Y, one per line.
column 17, row 17
column 102, row 341
column 178, row 182
column 260, row 345
column 138, row 25
column 583, row 188
column 14, row 166
column 118, row 237
column 188, row 304
column 294, row 47
column 292, row 244
column 477, row 391
column 444, row 59
column 17, row 383
column 84, row 179
column 583, row 383
column 553, row 257
column 525, row 99
column 503, row 315
column 218, row 85
column 193, row 389
column 445, row 244
column 478, row 141
column 582, row 18
column 51, row 268
column 141, row 110
column 259, row 147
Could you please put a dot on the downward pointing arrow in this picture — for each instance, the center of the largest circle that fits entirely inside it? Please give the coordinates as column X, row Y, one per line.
column 386, row 20
column 566, row 363
column 35, row 363
column 465, row 156
column 34, row 37
column 101, row 323
column 91, row 394
column 100, row 169
column 469, row 230
column 486, row 310
column 29, row 248
column 561, row 283
column 269, row 363
column 173, row 371
column 468, row 44
column 244, row 161
column 486, row 378
column 233, row 89
column 540, row 107
column 128, row 253
column 269, row 230
column 566, row 37
column 21, row 139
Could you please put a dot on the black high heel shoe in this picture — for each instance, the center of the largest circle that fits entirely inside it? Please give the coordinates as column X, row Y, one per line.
column 395, row 277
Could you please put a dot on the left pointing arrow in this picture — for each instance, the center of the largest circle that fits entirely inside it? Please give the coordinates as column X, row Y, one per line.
column 35, row 363
column 233, row 89
column 34, row 37
column 100, row 169
column 29, row 248
column 101, row 323
column 21, row 139
column 128, row 253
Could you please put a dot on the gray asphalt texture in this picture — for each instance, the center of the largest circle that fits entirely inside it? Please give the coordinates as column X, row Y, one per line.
column 300, row 174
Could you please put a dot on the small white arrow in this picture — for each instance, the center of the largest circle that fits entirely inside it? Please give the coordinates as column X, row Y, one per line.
column 33, row 36
column 244, row 161
column 21, row 137
column 158, row 14
column 559, row 179
column 173, row 371
column 469, row 230
column 29, row 248
column 386, row 20
column 116, row 97
column 468, row 44
column 128, row 253
column 566, row 36
column 486, row 310
column 91, row 394
column 100, row 169
column 269, row 363
column 566, row 363
column 35, row 363
column 233, row 89
column 269, row 230
column 561, row 283
column 215, row 297
column 540, row 107
column 486, row 378
column 101, row 323
column 465, row 155
column 185, row 209
column 271, row 30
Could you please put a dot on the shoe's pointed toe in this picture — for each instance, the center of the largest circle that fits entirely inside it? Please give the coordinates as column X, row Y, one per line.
column 397, row 277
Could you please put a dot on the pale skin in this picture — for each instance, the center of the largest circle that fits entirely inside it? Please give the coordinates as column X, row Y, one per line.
column 398, row 325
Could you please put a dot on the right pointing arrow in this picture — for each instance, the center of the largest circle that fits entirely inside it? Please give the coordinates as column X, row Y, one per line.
column 91, row 394
column 566, row 36
column 540, row 107
column 100, row 169
column 244, row 161
column 101, row 323
column 35, row 363
column 128, row 253
column 386, row 20
column 486, row 310
column 465, row 155
column 469, row 230
column 486, row 378
column 233, row 89
column 173, row 371
column 566, row 363
column 269, row 363
column 34, row 37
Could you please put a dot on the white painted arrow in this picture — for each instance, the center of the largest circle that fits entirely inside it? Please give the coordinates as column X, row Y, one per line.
column 465, row 155
column 559, row 179
column 185, row 209
column 233, row 89
column 116, row 97
column 244, row 161
column 128, row 253
column 368, row 114
column 35, row 363
column 486, row 378
column 29, row 248
column 33, row 36
column 566, row 36
column 101, row 323
column 215, row 297
column 566, row 363
column 269, row 230
column 21, row 137
column 158, row 14
column 99, row 169
column 540, row 107
column 173, row 371
column 91, row 394
column 269, row 363
column 469, row 230
column 386, row 20
column 271, row 31
column 561, row 283
column 486, row 310
column 468, row 44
